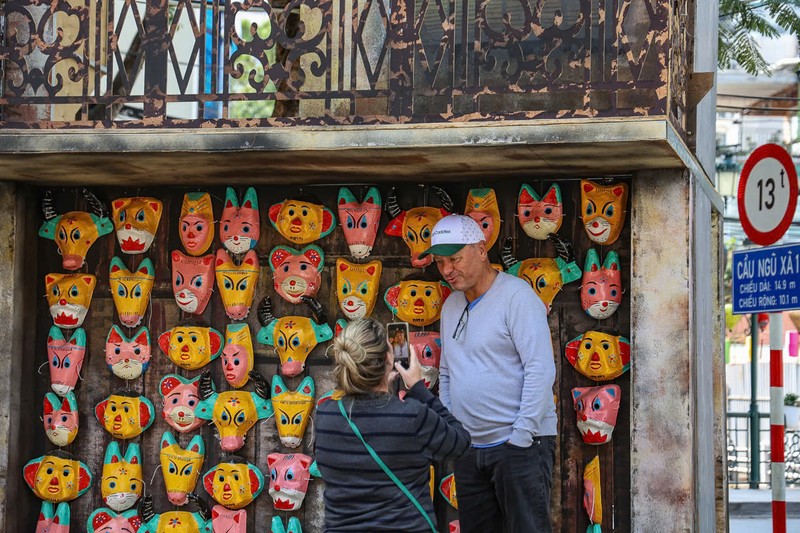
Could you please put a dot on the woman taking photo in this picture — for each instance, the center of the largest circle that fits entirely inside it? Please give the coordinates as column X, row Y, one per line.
column 405, row 437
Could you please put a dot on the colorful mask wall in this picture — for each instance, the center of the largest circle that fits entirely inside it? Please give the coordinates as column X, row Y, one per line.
column 567, row 320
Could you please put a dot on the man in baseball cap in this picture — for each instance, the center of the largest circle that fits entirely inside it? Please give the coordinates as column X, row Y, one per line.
column 451, row 234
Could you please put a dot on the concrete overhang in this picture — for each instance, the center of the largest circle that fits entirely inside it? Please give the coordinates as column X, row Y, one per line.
column 300, row 154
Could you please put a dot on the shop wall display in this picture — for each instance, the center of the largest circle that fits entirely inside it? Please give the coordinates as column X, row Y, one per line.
column 80, row 350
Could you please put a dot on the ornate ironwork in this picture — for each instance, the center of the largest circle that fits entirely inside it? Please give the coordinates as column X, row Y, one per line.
column 217, row 63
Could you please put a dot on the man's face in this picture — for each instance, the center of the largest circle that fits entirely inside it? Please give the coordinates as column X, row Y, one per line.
column 463, row 269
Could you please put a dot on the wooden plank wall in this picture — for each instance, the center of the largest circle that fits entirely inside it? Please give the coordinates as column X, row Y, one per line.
column 567, row 321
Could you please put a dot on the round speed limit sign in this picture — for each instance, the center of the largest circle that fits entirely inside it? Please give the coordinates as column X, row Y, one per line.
column 767, row 194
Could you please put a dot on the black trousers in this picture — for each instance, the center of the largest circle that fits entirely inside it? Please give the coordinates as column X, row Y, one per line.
column 506, row 488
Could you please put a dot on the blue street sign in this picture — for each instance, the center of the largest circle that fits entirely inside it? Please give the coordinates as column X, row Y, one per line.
column 766, row 280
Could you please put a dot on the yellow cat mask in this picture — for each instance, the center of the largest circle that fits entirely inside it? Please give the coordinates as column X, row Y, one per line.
column 292, row 409
column 136, row 222
column 181, row 467
column 122, row 480
column 131, row 290
column 603, row 209
column 237, row 284
column 357, row 287
column 69, row 297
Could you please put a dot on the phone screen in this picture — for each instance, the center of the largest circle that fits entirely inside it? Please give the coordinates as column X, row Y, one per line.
column 397, row 333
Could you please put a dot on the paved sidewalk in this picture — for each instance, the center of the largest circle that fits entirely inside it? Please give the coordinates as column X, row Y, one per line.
column 757, row 503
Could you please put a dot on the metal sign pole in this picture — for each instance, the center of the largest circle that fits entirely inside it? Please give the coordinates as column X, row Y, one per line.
column 755, row 418
column 776, row 432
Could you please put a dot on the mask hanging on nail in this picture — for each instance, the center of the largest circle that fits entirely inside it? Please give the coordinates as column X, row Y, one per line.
column 294, row 337
column 128, row 358
column 360, row 221
column 107, row 521
column 181, row 467
column 417, row 301
column 482, row 207
column 122, row 480
column 191, row 347
column 292, row 409
column 540, row 216
column 228, row 520
column 237, row 284
column 601, row 286
column 289, row 475
column 60, row 417
column 65, row 359
column 180, row 396
column 357, row 287
column 192, row 281
column 197, row 223
column 57, row 477
column 175, row 521
column 599, row 356
column 603, row 210
column 234, row 482
column 237, row 356
column 136, row 222
column 53, row 519
column 75, row 231
column 240, row 226
column 125, row 414
column 69, row 297
column 301, row 222
column 296, row 273
column 592, row 499
column 428, row 347
column 131, row 290
column 597, row 409
column 416, row 225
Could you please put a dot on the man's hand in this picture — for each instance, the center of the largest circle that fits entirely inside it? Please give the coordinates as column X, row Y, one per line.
column 413, row 373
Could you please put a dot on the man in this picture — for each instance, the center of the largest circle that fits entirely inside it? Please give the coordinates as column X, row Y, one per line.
column 497, row 374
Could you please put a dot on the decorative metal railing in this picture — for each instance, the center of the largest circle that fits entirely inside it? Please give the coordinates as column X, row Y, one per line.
column 212, row 63
column 741, row 458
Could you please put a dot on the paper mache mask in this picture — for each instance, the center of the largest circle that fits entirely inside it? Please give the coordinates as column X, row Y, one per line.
column 292, row 526
column 180, row 396
column 592, row 500
column 428, row 347
column 234, row 482
column 240, row 225
column 547, row 276
column 136, row 222
column 599, row 356
column 69, row 297
column 447, row 488
column 233, row 412
column 296, row 273
column 417, row 302
column 360, row 221
column 125, row 414
column 289, row 475
column 197, row 223
column 192, row 281
column 75, row 231
column 238, row 357
column 292, row 409
column 65, row 359
column 293, row 337
column 228, row 520
column 191, row 347
column 57, row 477
column 127, row 357
column 482, row 207
column 237, row 283
column 60, row 418
column 601, row 286
column 131, row 290
column 416, row 225
column 181, row 467
column 597, row 409
column 53, row 519
column 603, row 209
column 107, row 521
column 540, row 216
column 122, row 480
column 357, row 287
column 175, row 521
column 301, row 222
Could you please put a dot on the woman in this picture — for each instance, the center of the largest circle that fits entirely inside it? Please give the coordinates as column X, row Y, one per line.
column 406, row 435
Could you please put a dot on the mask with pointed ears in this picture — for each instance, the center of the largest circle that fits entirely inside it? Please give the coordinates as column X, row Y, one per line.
column 234, row 482
column 292, row 526
column 597, row 409
column 416, row 225
column 122, row 480
column 603, row 209
column 131, row 290
column 192, row 281
column 428, row 347
column 417, row 301
column 301, row 221
column 128, row 358
column 76, row 231
column 237, row 283
column 540, row 216
column 60, row 416
column 240, row 226
column 293, row 337
column 180, row 396
column 601, row 286
column 191, row 347
column 181, row 467
column 360, row 221
column 292, row 409
column 69, row 297
column 482, row 207
column 228, row 520
column 197, row 223
column 289, row 475
column 65, row 359
column 357, row 287
column 233, row 412
column 175, row 521
column 107, row 521
column 125, row 414
column 296, row 273
column 136, row 222
column 57, row 477
column 53, row 519
column 599, row 356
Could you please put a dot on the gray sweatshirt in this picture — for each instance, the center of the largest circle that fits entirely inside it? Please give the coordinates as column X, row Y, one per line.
column 497, row 377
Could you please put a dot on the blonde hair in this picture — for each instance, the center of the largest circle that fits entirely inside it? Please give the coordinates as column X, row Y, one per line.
column 359, row 353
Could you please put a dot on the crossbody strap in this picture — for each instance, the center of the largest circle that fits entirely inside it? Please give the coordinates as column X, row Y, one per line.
column 386, row 469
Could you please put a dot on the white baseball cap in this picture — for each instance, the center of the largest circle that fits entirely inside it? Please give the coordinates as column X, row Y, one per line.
column 452, row 233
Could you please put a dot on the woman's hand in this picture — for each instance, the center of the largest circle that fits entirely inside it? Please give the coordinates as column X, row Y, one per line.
column 413, row 373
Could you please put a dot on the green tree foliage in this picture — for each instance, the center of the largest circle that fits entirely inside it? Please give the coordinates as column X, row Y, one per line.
column 739, row 20
column 252, row 67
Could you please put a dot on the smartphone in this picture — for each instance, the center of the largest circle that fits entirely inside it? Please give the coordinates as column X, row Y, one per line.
column 397, row 333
